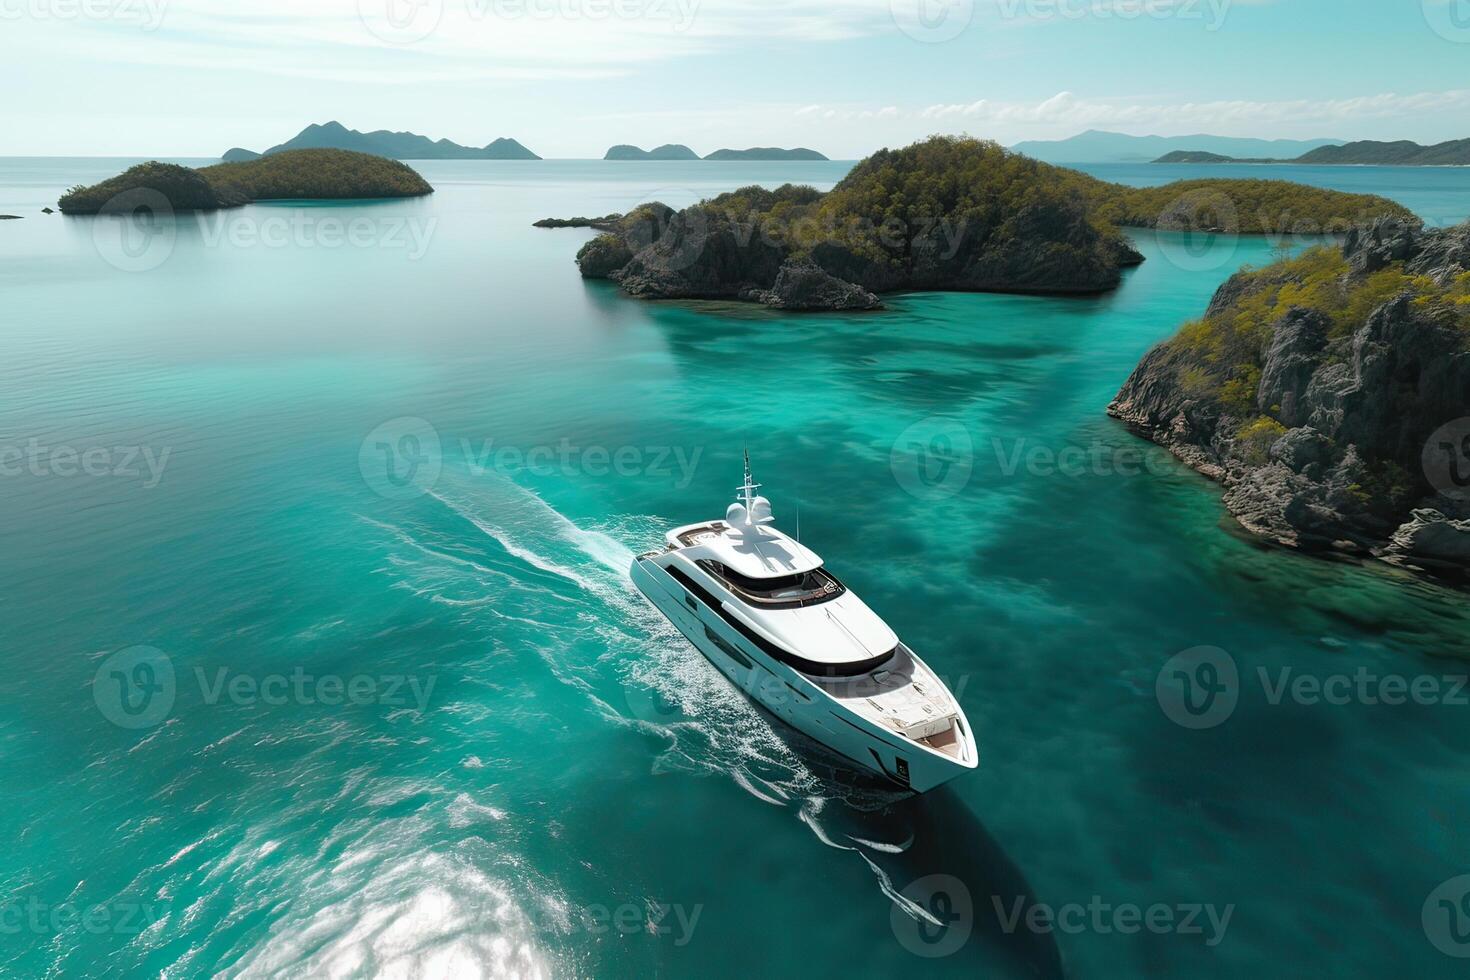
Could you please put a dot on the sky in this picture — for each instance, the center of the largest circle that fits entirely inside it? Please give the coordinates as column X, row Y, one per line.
column 568, row 78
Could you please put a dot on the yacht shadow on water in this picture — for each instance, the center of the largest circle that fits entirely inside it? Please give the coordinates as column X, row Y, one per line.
column 959, row 902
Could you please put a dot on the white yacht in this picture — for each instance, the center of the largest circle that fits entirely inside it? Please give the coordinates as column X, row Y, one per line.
column 763, row 609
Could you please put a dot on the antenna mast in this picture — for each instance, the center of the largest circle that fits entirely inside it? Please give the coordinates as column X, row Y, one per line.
column 748, row 489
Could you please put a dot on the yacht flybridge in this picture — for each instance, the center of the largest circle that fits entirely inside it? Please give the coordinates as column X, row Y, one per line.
column 763, row 609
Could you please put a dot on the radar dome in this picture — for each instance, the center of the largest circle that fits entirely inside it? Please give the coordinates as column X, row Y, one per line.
column 737, row 516
column 760, row 511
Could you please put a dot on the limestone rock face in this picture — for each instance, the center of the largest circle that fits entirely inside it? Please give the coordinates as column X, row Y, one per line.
column 1293, row 357
column 801, row 284
column 1358, row 409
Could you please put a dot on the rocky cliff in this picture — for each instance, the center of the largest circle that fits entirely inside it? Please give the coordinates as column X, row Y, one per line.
column 907, row 219
column 1330, row 394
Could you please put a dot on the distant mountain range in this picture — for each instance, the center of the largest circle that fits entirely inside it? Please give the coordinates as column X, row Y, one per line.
column 678, row 151
column 1096, row 146
column 1402, row 153
column 395, row 146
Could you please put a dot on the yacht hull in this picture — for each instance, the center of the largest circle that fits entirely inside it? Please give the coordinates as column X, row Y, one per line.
column 792, row 696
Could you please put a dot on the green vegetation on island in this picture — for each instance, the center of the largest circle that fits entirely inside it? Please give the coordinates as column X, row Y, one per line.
column 1245, row 207
column 1313, row 389
column 1201, row 156
column 293, row 175
column 947, row 213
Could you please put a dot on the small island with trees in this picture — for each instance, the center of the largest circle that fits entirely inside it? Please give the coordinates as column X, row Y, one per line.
column 948, row 213
column 289, row 175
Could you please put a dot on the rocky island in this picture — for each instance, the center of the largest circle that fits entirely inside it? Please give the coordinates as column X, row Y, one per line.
column 1329, row 393
column 291, row 175
column 945, row 214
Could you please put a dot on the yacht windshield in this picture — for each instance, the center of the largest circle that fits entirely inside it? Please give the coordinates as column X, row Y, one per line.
column 803, row 589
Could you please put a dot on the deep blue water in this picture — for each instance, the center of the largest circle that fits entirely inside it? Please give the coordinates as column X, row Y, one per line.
column 540, row 777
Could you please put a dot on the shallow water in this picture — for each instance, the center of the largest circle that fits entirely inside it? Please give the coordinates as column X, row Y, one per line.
column 542, row 777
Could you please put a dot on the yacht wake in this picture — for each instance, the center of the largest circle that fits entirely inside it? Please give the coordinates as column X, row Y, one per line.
column 634, row 667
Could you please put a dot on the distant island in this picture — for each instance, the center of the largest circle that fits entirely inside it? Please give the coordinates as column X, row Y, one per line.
column 1402, row 153
column 1097, row 146
column 291, row 175
column 1202, row 156
column 669, row 151
column 766, row 153
column 239, row 155
column 948, row 213
column 678, row 151
column 395, row 146
column 1314, row 388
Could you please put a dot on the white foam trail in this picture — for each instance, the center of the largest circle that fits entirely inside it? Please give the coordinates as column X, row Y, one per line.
column 810, row 819
column 885, row 848
column 652, row 663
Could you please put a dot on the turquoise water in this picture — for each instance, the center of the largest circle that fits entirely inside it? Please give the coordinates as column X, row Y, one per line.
column 538, row 776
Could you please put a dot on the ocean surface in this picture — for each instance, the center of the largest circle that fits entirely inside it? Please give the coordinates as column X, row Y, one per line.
column 319, row 655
